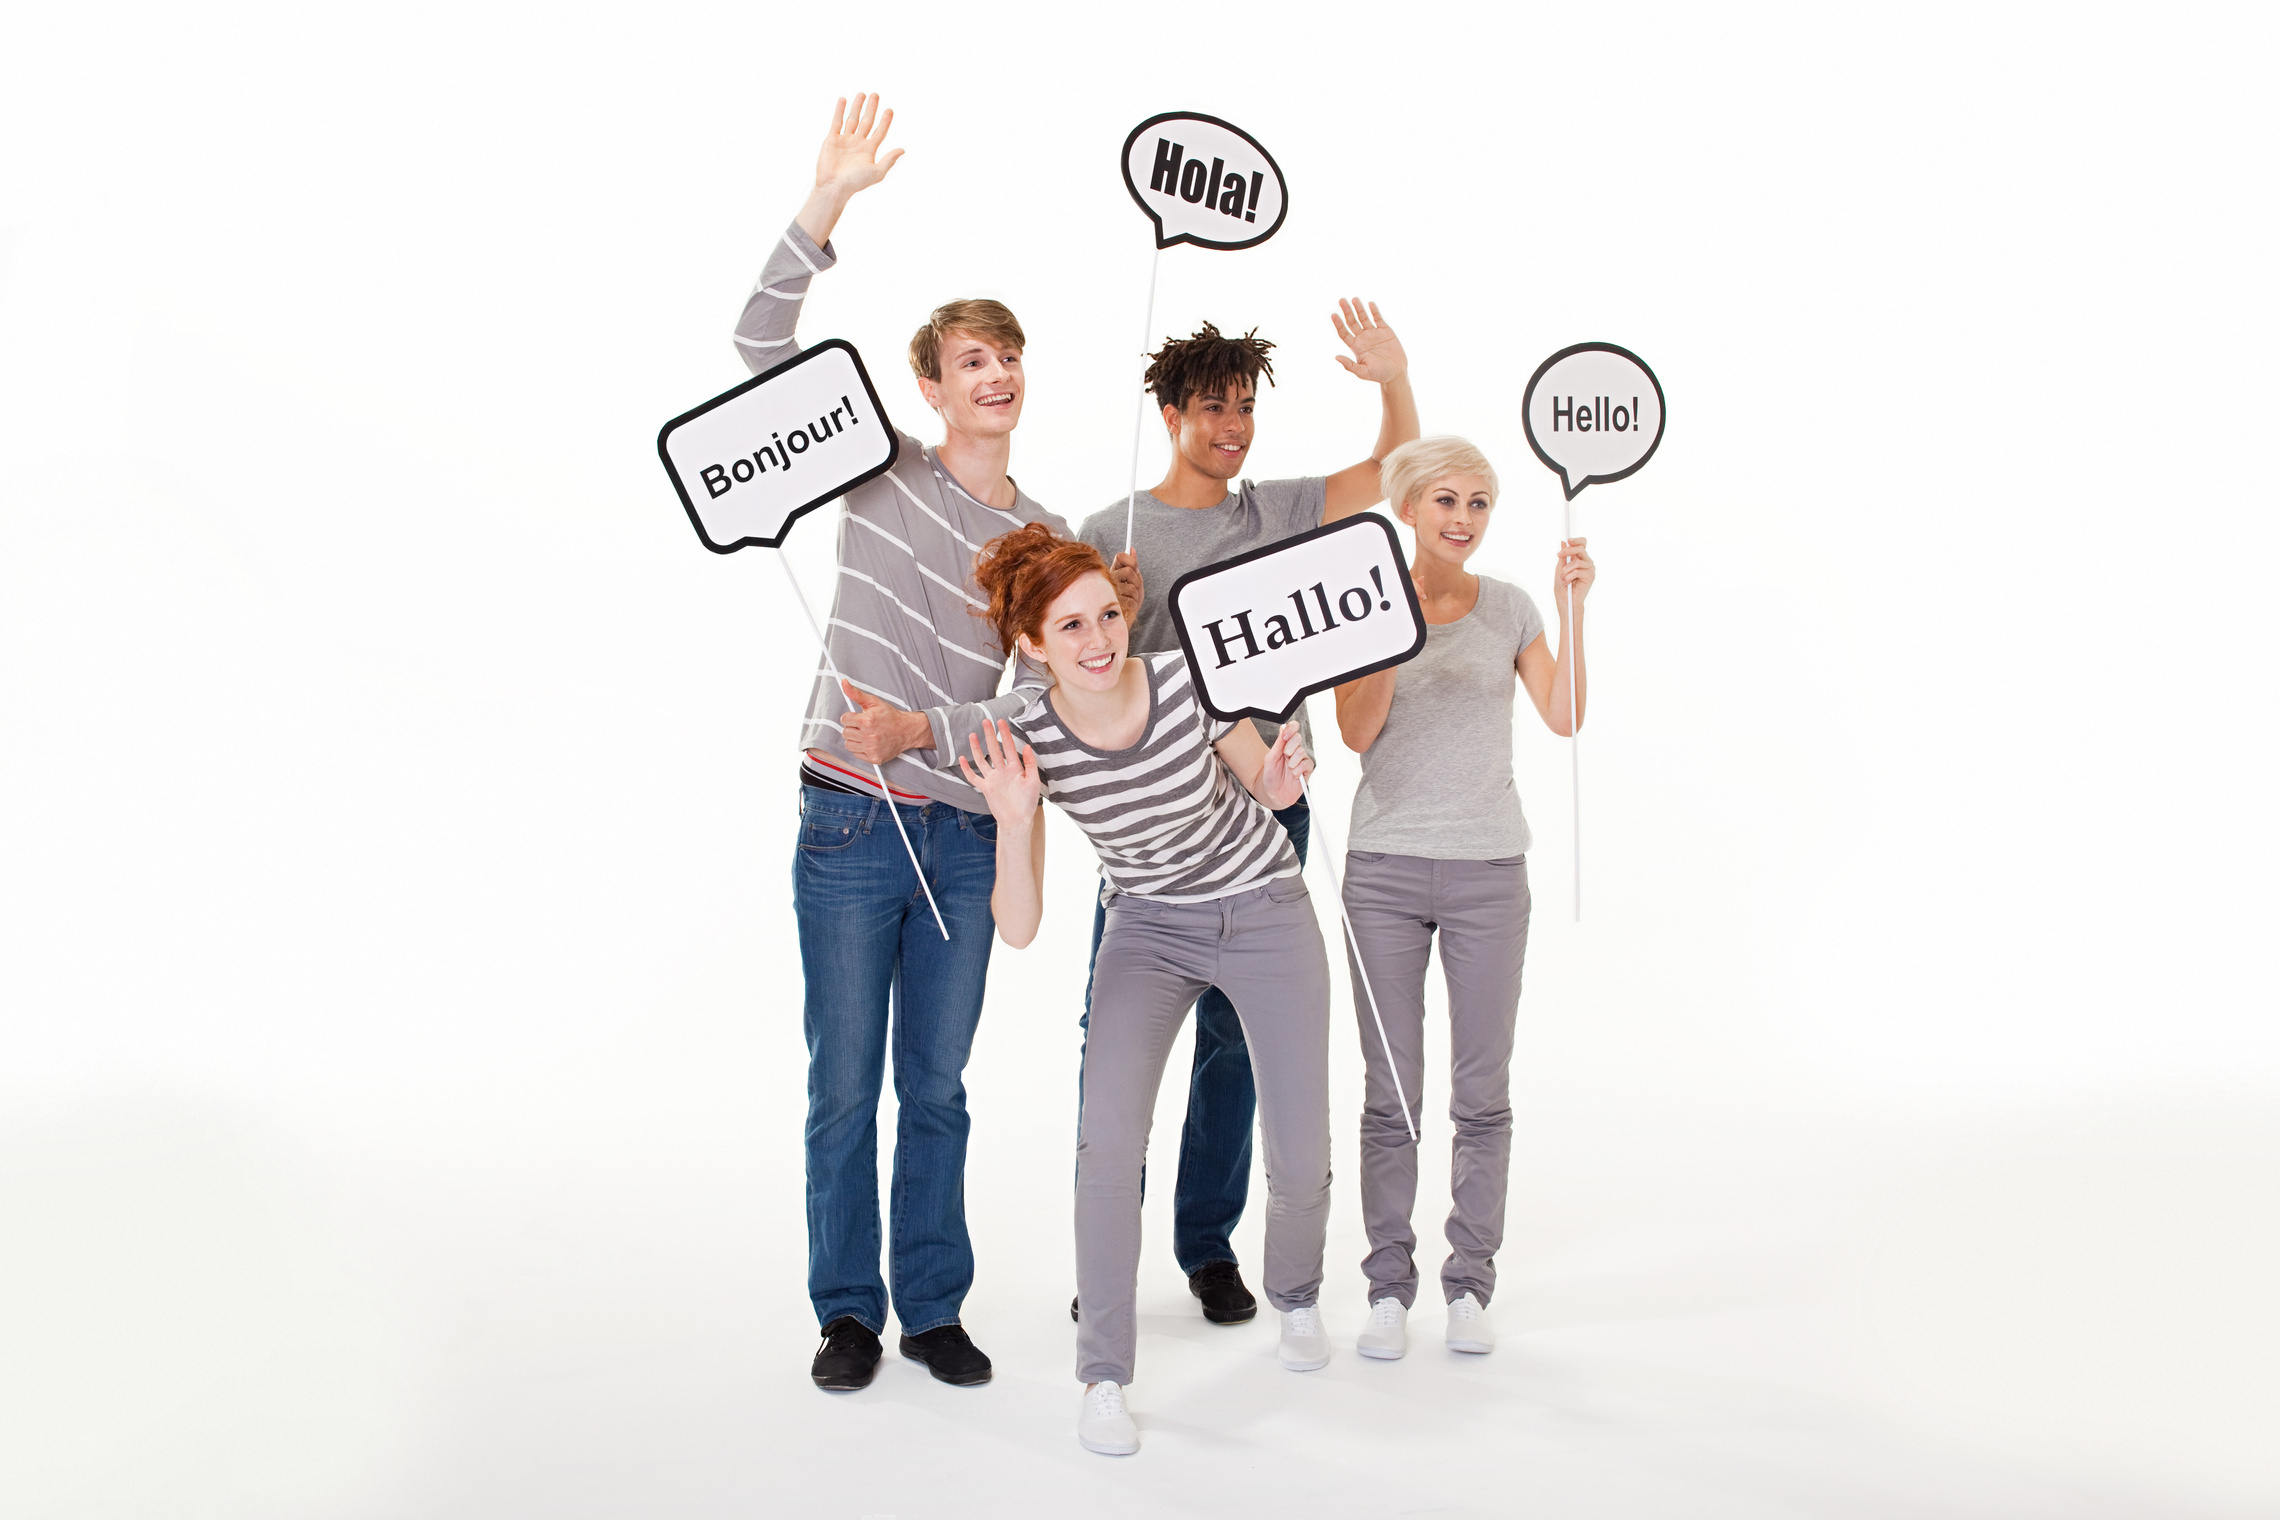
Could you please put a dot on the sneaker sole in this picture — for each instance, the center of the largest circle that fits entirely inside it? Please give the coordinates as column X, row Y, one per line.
column 970, row 1380
column 1383, row 1353
column 1473, row 1348
column 1314, row 1366
column 1107, row 1449
column 1238, row 1317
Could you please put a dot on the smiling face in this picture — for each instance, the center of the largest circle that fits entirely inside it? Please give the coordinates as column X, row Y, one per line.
column 981, row 386
column 1213, row 431
column 1085, row 635
column 1450, row 516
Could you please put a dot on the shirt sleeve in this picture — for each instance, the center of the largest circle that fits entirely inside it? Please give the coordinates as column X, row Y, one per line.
column 1291, row 506
column 954, row 723
column 764, row 334
column 1528, row 620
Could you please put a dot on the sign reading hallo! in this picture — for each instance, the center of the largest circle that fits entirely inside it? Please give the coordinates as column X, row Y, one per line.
column 749, row 462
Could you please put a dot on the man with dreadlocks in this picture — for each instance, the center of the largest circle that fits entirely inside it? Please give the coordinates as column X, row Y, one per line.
column 1207, row 389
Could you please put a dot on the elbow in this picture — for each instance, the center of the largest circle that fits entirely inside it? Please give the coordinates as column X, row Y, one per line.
column 1358, row 739
column 1015, row 936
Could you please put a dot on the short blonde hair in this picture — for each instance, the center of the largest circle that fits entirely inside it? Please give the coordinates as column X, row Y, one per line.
column 988, row 320
column 1408, row 470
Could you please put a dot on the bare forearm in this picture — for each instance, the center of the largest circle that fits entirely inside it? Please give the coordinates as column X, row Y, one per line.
column 1567, row 670
column 1015, row 901
column 1399, row 424
column 821, row 213
column 1357, row 488
column 1362, row 708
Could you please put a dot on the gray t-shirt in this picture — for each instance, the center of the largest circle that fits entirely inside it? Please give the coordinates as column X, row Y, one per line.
column 1170, row 541
column 1437, row 780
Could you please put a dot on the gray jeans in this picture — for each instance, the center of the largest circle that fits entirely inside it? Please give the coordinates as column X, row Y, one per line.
column 1480, row 908
column 1263, row 949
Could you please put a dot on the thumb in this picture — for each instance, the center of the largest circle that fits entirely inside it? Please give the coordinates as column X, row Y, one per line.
column 1351, row 367
column 862, row 699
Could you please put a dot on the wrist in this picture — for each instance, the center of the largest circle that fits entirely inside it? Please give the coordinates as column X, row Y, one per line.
column 917, row 731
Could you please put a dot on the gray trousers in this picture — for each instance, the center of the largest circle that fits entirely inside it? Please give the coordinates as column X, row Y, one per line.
column 1480, row 908
column 1263, row 949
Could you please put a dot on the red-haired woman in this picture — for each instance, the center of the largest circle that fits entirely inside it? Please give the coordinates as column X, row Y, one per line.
column 1203, row 890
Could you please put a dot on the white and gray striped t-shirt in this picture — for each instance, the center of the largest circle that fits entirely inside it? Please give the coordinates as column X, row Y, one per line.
column 1167, row 818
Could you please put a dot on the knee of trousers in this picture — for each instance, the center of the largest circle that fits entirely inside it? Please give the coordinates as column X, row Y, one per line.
column 1481, row 1122
column 1385, row 1126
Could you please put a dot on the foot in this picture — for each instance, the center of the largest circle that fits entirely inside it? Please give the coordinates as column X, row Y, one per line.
column 1386, row 1336
column 949, row 1355
column 1305, row 1345
column 1225, row 1300
column 1103, row 1425
column 1469, row 1328
column 848, row 1357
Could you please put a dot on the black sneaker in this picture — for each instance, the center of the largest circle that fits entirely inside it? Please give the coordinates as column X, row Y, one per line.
column 1072, row 1308
column 1225, row 1300
column 949, row 1355
column 848, row 1358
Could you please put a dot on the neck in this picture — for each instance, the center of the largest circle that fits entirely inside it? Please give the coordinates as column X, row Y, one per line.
column 1106, row 719
column 1436, row 578
column 1187, row 486
column 977, row 462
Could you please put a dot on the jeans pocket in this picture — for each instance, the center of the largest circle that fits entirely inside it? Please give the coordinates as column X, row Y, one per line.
column 984, row 825
column 1284, row 889
column 821, row 833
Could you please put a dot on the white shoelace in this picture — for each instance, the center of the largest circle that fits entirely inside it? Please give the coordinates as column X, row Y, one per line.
column 1303, row 1322
column 1385, row 1314
column 1464, row 1309
column 1106, row 1401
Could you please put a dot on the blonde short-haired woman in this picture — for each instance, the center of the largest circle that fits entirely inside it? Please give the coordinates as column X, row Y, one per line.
column 1438, row 846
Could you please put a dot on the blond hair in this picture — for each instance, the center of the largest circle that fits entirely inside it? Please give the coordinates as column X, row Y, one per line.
column 990, row 321
column 1408, row 470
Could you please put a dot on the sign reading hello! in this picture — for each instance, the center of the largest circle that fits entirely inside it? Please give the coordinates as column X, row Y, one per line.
column 751, row 461
column 1265, row 630
column 1204, row 181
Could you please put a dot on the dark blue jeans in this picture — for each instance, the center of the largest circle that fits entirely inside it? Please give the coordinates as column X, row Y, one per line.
column 1215, row 1143
column 877, row 970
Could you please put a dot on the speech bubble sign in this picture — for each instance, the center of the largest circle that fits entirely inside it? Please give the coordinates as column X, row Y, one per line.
column 1204, row 181
column 751, row 461
column 1593, row 413
column 1264, row 631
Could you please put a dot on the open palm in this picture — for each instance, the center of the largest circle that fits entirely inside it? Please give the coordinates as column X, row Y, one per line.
column 1378, row 355
column 850, row 159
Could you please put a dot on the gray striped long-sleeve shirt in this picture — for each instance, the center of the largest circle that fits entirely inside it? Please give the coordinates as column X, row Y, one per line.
column 903, row 622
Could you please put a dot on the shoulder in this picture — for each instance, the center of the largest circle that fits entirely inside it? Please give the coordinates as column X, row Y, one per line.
column 1029, row 511
column 1511, row 606
column 1104, row 527
column 1297, row 489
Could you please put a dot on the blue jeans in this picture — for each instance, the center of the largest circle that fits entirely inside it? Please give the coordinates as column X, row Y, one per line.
column 1215, row 1143
column 876, row 967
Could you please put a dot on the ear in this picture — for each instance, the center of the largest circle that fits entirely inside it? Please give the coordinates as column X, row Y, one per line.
column 1036, row 655
column 1406, row 513
column 1172, row 418
column 929, row 390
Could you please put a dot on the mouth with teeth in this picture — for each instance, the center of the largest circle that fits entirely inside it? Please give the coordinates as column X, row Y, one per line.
column 1456, row 536
column 995, row 399
column 1097, row 664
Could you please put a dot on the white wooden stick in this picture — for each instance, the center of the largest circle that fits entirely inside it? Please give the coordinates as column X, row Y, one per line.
column 1147, row 327
column 1329, row 862
column 887, row 795
column 1575, row 723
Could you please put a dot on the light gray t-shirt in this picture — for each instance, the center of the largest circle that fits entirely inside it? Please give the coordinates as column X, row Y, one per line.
column 1437, row 780
column 1170, row 541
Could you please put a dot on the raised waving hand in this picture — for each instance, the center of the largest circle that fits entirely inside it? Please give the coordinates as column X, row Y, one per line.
column 849, row 161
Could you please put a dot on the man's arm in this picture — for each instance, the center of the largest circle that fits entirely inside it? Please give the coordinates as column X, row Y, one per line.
column 849, row 162
column 882, row 731
column 1378, row 357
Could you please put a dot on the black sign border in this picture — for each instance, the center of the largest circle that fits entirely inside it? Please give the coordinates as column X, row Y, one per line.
column 1528, row 426
column 1124, row 170
column 1343, row 525
column 688, row 505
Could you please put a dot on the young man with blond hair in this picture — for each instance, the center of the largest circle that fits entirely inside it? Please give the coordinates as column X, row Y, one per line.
column 918, row 672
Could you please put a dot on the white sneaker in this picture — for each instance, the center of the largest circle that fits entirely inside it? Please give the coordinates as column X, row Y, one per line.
column 1386, row 1336
column 1305, row 1344
column 1103, row 1425
column 1469, row 1329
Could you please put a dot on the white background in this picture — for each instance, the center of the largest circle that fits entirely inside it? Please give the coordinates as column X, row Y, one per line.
column 400, row 1092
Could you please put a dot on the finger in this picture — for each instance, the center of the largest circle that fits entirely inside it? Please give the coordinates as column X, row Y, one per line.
column 1351, row 367
column 886, row 120
column 870, row 109
column 971, row 779
column 1375, row 319
column 838, row 115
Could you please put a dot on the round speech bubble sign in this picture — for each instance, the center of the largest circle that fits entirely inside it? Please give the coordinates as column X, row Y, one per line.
column 1204, row 181
column 1593, row 413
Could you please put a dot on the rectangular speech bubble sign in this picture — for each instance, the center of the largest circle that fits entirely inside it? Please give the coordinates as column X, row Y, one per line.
column 1265, row 630
column 749, row 462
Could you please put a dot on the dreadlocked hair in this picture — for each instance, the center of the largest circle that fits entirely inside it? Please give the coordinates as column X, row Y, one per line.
column 1209, row 361
column 1022, row 572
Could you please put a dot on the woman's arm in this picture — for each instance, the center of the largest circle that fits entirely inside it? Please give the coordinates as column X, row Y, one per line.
column 1546, row 676
column 1275, row 774
column 1006, row 776
column 1378, row 357
column 1362, row 706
